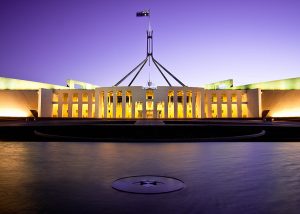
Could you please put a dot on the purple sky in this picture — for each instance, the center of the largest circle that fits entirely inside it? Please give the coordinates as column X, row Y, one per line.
column 199, row 41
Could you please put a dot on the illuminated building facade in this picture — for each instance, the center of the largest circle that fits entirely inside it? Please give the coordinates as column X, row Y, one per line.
column 20, row 98
column 217, row 100
column 124, row 102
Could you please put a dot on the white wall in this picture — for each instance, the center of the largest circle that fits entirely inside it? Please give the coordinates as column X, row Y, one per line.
column 45, row 103
column 18, row 103
column 281, row 103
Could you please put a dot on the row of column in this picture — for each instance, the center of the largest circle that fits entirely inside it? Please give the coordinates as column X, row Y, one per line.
column 219, row 103
column 140, row 96
column 100, row 102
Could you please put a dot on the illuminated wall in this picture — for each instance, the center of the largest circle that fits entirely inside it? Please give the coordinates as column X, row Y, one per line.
column 232, row 103
column 285, row 84
column 17, row 84
column 160, row 102
column 18, row 103
column 225, row 84
column 281, row 103
column 171, row 104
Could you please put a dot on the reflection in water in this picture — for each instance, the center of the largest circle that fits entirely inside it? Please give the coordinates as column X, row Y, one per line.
column 14, row 173
column 220, row 177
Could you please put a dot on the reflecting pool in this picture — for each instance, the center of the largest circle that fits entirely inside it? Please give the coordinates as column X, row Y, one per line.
column 52, row 177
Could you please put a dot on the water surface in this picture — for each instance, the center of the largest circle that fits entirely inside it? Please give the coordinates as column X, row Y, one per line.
column 52, row 177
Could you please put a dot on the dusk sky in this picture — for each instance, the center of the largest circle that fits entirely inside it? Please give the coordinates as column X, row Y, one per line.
column 199, row 41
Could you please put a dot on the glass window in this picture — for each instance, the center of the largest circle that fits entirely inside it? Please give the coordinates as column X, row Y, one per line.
column 179, row 99
column 119, row 99
column 55, row 110
column 54, row 97
column 65, row 112
column 214, row 110
column 244, row 97
column 214, row 98
column 84, row 97
column 244, row 110
column 65, row 97
column 75, row 110
column 233, row 98
column 224, row 98
column 75, row 97
column 93, row 97
column 234, row 112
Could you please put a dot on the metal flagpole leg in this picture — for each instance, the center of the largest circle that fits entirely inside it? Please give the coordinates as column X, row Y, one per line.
column 161, row 72
column 130, row 72
column 138, row 72
column 169, row 73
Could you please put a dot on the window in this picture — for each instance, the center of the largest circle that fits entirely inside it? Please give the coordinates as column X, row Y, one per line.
column 244, row 110
column 214, row 98
column 224, row 98
column 75, row 110
column 244, row 97
column 54, row 97
column 75, row 97
column 55, row 110
column 179, row 99
column 65, row 97
column 84, row 97
column 119, row 99
column 65, row 112
column 234, row 112
column 233, row 98
column 85, row 112
column 170, row 96
column 93, row 97
column 214, row 110
column 224, row 110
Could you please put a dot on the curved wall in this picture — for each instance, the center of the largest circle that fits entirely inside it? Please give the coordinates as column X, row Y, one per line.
column 18, row 103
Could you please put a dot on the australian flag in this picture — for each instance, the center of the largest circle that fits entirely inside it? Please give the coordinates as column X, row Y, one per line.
column 143, row 13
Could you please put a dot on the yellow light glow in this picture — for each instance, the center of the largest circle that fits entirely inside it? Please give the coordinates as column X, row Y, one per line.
column 11, row 112
column 287, row 113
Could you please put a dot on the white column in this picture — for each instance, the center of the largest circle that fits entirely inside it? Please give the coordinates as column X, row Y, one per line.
column 79, row 104
column 59, row 105
column 201, row 93
column 97, row 103
column 259, row 104
column 239, row 103
column 70, row 104
column 101, row 104
column 229, row 105
column 105, row 104
column 45, row 103
column 90, row 102
column 194, row 93
column 219, row 105
column 209, row 102
column 155, row 108
column 166, row 106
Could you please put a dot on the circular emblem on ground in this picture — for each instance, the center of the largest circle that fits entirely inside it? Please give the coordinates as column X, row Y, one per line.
column 148, row 184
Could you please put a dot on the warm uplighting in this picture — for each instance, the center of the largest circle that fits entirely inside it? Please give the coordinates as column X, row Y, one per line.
column 10, row 112
column 287, row 113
